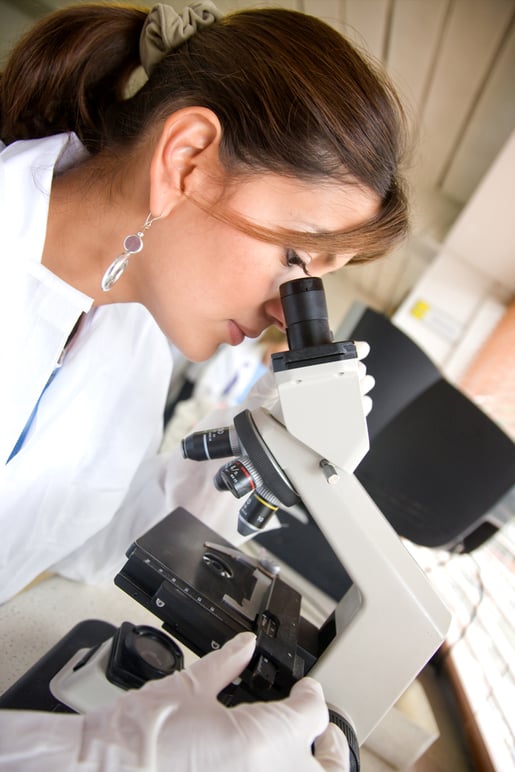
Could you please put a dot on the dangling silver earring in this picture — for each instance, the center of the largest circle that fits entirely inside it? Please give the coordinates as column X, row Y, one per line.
column 132, row 244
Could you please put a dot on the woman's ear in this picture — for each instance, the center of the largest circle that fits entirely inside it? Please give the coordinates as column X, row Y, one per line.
column 188, row 143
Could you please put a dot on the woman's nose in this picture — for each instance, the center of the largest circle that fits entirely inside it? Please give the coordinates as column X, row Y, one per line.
column 275, row 314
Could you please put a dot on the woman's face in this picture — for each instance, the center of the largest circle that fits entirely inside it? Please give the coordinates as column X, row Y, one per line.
column 208, row 283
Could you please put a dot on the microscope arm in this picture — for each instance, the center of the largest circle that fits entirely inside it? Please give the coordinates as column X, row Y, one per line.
column 390, row 623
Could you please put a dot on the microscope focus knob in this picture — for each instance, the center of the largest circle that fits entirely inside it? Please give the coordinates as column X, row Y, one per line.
column 348, row 730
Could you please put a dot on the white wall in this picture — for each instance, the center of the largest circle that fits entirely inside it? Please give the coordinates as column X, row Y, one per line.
column 458, row 301
column 484, row 235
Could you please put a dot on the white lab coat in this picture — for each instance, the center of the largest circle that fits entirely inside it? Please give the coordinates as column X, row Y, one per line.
column 88, row 479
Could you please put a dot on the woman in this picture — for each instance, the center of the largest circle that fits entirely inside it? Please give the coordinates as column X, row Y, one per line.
column 261, row 147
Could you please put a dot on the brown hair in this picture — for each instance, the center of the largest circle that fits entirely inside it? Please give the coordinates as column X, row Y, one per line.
column 293, row 97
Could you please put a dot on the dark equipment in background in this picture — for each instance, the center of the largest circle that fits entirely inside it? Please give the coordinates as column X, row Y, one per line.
column 438, row 465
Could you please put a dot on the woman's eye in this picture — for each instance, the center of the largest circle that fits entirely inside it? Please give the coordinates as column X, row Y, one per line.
column 292, row 258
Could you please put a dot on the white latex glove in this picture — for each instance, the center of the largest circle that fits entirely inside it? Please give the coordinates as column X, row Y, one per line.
column 366, row 382
column 178, row 724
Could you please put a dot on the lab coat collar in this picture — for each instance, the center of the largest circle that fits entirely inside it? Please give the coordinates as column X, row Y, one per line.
column 26, row 171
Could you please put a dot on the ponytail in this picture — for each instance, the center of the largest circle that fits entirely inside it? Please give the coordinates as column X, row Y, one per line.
column 68, row 70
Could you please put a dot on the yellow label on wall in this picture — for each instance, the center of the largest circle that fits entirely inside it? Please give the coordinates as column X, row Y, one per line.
column 420, row 309
column 437, row 320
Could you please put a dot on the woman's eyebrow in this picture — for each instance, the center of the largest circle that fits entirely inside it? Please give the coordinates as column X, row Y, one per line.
column 329, row 258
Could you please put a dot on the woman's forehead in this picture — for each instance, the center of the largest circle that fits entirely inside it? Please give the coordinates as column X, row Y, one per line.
column 313, row 206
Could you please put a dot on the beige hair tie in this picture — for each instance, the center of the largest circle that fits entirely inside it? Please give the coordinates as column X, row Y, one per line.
column 165, row 29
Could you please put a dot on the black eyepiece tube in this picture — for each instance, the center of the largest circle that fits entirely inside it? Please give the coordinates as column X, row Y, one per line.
column 305, row 311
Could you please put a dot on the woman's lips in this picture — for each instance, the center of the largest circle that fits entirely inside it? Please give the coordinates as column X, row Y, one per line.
column 237, row 333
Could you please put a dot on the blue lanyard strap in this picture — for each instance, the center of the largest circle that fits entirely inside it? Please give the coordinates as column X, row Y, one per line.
column 23, row 435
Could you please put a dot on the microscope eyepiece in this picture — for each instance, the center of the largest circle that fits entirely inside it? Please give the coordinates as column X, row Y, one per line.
column 305, row 311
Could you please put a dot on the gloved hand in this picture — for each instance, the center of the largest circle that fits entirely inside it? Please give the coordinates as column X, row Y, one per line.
column 366, row 382
column 178, row 724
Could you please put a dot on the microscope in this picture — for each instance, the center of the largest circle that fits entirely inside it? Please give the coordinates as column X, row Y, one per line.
column 301, row 452
column 298, row 455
